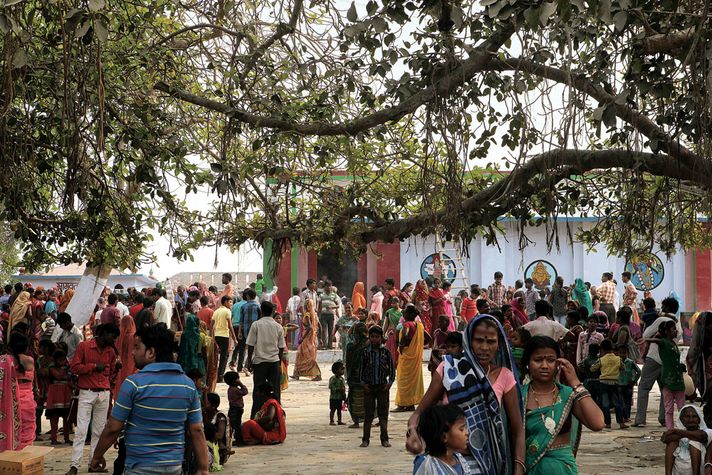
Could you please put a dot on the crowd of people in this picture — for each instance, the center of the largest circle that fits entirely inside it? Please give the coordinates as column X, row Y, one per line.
column 515, row 371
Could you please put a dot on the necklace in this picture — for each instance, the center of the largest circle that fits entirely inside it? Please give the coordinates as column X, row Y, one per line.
column 548, row 420
column 553, row 390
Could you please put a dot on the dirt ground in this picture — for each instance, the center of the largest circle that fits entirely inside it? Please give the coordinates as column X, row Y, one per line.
column 314, row 447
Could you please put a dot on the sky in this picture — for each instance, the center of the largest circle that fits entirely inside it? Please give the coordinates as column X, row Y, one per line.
column 246, row 260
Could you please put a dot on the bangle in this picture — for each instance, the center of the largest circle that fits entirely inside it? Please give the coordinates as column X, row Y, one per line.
column 708, row 464
column 524, row 467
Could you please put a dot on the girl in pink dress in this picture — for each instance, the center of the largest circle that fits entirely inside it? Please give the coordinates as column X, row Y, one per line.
column 25, row 367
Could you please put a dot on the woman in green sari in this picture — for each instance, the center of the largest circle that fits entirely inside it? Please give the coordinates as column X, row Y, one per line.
column 581, row 295
column 554, row 411
column 189, row 352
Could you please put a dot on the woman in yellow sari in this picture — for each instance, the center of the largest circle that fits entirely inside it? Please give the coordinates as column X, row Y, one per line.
column 306, row 364
column 409, row 373
column 358, row 297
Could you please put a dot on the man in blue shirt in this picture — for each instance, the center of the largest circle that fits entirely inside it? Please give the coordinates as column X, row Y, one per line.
column 153, row 406
column 249, row 314
column 236, row 319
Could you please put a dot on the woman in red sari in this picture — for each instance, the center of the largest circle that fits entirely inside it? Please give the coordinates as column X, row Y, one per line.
column 125, row 345
column 520, row 316
column 9, row 406
column 437, row 299
column 423, row 305
column 268, row 426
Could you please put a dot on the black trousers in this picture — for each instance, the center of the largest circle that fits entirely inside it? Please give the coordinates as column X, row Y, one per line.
column 234, row 414
column 327, row 330
column 238, row 353
column 261, row 372
column 223, row 343
column 376, row 396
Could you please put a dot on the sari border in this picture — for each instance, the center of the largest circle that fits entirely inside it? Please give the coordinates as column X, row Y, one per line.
column 565, row 415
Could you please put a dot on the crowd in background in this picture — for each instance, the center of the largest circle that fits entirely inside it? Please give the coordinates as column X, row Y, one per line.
column 482, row 342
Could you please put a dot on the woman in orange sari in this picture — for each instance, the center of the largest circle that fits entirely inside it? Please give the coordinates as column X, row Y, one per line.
column 268, row 427
column 125, row 345
column 306, row 364
column 64, row 301
column 358, row 297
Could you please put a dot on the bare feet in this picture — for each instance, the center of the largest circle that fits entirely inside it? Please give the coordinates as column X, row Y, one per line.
column 623, row 426
column 354, row 426
column 341, row 423
column 385, row 443
column 364, row 443
column 332, row 423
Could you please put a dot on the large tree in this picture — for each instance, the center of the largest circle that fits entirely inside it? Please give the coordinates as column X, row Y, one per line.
column 444, row 115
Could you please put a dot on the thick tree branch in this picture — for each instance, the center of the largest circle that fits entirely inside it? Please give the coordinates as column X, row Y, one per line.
column 664, row 43
column 639, row 121
column 512, row 190
column 459, row 76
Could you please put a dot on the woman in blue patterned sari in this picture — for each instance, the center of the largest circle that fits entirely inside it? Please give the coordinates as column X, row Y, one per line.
column 483, row 382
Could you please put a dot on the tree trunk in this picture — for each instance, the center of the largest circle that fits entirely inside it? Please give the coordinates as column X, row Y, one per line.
column 87, row 293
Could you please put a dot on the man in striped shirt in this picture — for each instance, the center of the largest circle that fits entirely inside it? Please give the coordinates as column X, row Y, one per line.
column 153, row 406
column 377, row 376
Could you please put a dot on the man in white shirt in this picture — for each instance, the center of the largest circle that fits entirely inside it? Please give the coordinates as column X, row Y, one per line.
column 265, row 347
column 543, row 325
column 121, row 306
column 162, row 310
column 653, row 364
column 69, row 334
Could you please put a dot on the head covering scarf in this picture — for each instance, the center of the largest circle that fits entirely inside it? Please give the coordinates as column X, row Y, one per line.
column 189, row 349
column 64, row 301
column 19, row 309
column 467, row 386
column 359, row 341
column 581, row 295
column 520, row 316
column 421, row 291
column 358, row 297
column 125, row 344
column 682, row 452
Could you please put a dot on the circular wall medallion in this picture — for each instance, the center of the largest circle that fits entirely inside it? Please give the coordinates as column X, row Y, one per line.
column 543, row 273
column 434, row 266
column 646, row 272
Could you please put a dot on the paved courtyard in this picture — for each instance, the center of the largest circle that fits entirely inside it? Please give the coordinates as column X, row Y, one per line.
column 314, row 447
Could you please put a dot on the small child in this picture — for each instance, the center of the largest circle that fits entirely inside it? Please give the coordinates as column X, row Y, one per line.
column 377, row 383
column 610, row 366
column 520, row 338
column 236, row 391
column 42, row 365
column 59, row 396
column 337, row 392
column 198, row 378
column 453, row 344
column 211, row 437
column 671, row 373
column 444, row 431
column 590, row 377
column 373, row 319
column 627, row 380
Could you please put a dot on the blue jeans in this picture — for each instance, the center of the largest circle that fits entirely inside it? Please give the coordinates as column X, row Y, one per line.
column 138, row 470
column 610, row 396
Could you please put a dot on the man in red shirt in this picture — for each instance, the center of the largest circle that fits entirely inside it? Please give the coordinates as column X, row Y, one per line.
column 205, row 314
column 138, row 304
column 94, row 363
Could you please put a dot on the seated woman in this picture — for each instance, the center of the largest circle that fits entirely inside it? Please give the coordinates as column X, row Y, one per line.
column 268, row 426
column 686, row 444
